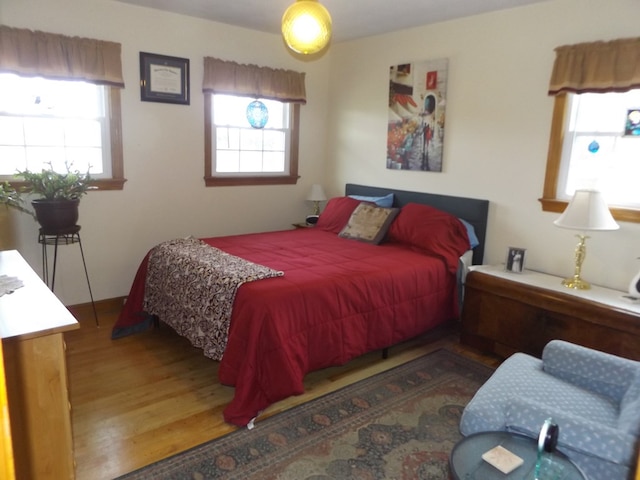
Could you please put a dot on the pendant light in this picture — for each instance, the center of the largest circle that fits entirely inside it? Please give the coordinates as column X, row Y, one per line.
column 306, row 26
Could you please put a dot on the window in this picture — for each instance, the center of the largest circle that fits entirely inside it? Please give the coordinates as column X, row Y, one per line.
column 60, row 123
column 596, row 151
column 73, row 115
column 592, row 147
column 594, row 140
column 238, row 154
column 235, row 153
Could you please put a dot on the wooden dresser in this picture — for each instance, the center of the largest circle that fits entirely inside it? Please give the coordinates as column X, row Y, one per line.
column 32, row 322
column 506, row 312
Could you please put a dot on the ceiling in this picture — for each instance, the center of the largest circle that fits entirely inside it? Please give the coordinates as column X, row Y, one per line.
column 352, row 19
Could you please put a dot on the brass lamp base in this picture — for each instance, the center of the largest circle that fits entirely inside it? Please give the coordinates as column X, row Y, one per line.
column 576, row 282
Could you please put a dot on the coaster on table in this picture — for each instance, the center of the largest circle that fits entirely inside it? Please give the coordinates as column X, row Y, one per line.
column 502, row 459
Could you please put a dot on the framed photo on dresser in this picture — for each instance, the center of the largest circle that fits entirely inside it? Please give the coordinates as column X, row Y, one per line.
column 515, row 259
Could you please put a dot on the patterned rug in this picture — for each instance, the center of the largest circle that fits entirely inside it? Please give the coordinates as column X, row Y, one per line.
column 399, row 424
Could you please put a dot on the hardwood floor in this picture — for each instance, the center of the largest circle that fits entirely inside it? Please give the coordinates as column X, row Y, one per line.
column 142, row 398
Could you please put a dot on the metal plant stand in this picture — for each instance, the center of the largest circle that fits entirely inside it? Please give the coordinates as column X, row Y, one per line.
column 66, row 236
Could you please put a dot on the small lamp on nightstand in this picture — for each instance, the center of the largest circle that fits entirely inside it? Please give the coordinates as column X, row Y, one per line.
column 316, row 195
column 587, row 210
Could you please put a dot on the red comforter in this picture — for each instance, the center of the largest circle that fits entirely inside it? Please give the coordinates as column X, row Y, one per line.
column 338, row 299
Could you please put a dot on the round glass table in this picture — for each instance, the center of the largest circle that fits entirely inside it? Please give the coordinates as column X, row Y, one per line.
column 467, row 464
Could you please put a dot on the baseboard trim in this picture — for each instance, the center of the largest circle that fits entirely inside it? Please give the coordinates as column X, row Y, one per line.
column 108, row 305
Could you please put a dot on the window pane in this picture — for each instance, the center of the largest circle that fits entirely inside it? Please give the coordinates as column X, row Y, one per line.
column 277, row 118
column 37, row 96
column 602, row 112
column 274, row 140
column 229, row 110
column 256, row 151
column 597, row 154
column 250, row 161
column 586, row 167
column 228, row 138
column 85, row 159
column 44, row 131
column 39, row 158
column 251, row 139
column 227, row 161
column 85, row 133
column 11, row 131
column 13, row 160
column 273, row 162
column 56, row 122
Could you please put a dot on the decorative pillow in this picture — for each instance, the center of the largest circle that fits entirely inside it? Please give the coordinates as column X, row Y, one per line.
column 336, row 214
column 431, row 230
column 385, row 201
column 369, row 223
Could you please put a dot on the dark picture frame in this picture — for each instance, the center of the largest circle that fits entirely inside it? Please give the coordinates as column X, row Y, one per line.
column 515, row 260
column 164, row 79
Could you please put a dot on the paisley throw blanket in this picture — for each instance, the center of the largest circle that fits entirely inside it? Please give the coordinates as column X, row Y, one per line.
column 191, row 286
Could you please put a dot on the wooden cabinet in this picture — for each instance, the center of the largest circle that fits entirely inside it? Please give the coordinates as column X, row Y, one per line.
column 506, row 312
column 32, row 323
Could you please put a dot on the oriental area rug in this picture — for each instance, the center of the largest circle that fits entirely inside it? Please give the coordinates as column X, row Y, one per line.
column 399, row 424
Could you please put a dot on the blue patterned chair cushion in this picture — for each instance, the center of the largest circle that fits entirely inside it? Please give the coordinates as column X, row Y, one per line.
column 594, row 398
column 591, row 369
column 630, row 408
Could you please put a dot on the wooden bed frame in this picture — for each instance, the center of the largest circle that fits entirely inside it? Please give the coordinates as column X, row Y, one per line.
column 472, row 210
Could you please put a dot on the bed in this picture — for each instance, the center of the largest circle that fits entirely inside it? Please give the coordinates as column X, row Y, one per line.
column 316, row 297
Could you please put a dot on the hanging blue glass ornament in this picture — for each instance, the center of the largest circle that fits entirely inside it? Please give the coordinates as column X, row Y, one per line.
column 594, row 147
column 257, row 114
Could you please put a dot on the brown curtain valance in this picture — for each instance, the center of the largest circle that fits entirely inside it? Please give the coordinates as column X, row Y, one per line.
column 231, row 78
column 58, row 57
column 597, row 67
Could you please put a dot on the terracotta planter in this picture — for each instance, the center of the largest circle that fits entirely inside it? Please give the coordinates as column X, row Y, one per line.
column 56, row 215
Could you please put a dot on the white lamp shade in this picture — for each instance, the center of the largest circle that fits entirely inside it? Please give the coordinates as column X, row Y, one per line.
column 316, row 194
column 587, row 210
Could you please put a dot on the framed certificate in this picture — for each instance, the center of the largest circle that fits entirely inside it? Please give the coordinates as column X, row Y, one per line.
column 164, row 79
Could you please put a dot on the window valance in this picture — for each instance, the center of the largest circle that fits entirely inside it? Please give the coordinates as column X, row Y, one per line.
column 59, row 57
column 597, row 67
column 231, row 78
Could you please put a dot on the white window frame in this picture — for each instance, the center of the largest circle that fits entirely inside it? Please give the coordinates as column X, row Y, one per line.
column 112, row 177
column 289, row 176
column 553, row 198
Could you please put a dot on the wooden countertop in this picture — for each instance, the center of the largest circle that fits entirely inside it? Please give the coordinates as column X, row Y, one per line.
column 606, row 296
column 32, row 310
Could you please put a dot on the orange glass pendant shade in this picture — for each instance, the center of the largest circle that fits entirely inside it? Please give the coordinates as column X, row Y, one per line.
column 306, row 26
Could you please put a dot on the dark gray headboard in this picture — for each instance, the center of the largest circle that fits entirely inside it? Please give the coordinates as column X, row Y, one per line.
column 472, row 210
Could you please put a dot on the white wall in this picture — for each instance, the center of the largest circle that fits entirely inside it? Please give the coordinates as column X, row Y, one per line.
column 165, row 196
column 497, row 127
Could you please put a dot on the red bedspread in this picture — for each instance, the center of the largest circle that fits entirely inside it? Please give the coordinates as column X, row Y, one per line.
column 338, row 299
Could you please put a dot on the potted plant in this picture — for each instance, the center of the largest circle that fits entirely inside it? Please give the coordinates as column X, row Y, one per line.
column 9, row 197
column 56, row 209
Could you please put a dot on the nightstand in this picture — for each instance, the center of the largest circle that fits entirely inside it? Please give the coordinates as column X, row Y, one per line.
column 506, row 312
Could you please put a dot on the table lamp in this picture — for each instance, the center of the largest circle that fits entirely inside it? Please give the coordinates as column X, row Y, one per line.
column 316, row 195
column 586, row 211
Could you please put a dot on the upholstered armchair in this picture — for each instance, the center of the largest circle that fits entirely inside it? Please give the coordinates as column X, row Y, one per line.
column 594, row 398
